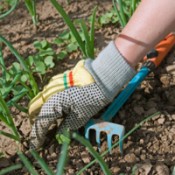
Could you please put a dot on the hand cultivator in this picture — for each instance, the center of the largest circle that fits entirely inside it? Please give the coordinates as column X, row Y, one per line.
column 152, row 60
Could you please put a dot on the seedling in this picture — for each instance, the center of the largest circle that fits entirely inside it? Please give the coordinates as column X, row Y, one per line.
column 87, row 46
column 124, row 9
column 12, row 4
column 31, row 6
column 6, row 118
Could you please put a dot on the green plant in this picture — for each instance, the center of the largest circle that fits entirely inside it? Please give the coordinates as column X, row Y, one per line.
column 10, row 169
column 124, row 9
column 6, row 7
column 13, row 84
column 17, row 82
column 31, row 6
column 6, row 118
column 108, row 17
column 66, row 40
column 9, row 6
column 23, row 65
column 43, row 59
column 87, row 46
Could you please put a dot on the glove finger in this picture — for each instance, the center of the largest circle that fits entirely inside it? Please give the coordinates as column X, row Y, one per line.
column 85, row 103
column 51, row 113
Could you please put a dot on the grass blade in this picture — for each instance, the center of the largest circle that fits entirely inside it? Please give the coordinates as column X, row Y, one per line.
column 7, row 119
column 17, row 97
column 97, row 156
column 64, row 154
column 9, row 11
column 21, row 108
column 23, row 64
column 11, row 168
column 92, row 30
column 9, row 135
column 31, row 6
column 2, row 63
column 4, row 119
column 27, row 164
column 133, row 6
column 69, row 24
column 42, row 163
column 8, row 89
column 118, row 13
column 87, row 39
column 120, row 3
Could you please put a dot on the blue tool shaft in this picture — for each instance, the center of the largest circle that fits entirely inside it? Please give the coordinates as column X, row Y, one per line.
column 125, row 94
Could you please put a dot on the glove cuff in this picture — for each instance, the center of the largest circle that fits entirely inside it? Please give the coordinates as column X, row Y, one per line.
column 110, row 70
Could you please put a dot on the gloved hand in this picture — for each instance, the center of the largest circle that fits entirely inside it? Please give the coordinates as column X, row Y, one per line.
column 72, row 98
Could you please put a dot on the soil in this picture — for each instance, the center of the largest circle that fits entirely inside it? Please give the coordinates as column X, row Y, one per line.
column 150, row 149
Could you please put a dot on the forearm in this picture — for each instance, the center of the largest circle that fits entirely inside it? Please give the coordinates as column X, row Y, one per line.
column 151, row 22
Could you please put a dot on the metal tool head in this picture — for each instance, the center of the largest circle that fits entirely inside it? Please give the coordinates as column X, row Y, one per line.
column 110, row 129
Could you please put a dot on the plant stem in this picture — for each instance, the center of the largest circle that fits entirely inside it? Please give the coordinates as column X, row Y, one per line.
column 97, row 157
column 11, row 168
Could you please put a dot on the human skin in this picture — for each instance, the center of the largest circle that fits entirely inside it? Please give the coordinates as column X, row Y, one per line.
column 150, row 23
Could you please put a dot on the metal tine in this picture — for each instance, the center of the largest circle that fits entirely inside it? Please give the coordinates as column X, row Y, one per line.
column 114, row 129
column 98, row 134
column 110, row 129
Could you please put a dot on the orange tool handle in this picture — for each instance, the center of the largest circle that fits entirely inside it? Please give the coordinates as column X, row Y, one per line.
column 163, row 47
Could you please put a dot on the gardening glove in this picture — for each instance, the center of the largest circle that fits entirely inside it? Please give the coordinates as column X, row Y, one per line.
column 72, row 98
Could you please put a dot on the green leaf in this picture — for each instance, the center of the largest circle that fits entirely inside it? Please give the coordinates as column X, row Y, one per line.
column 106, row 18
column 73, row 39
column 88, row 47
column 94, row 153
column 65, row 35
column 27, row 164
column 40, row 45
column 58, row 41
column 15, row 3
column 61, row 55
column 31, row 6
column 64, row 153
column 30, row 60
column 62, row 138
column 42, row 163
column 11, row 168
column 40, row 67
column 71, row 47
column 44, row 44
column 49, row 61
column 92, row 31
column 11, row 136
column 17, row 89
column 16, row 68
column 24, row 77
column 48, row 51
